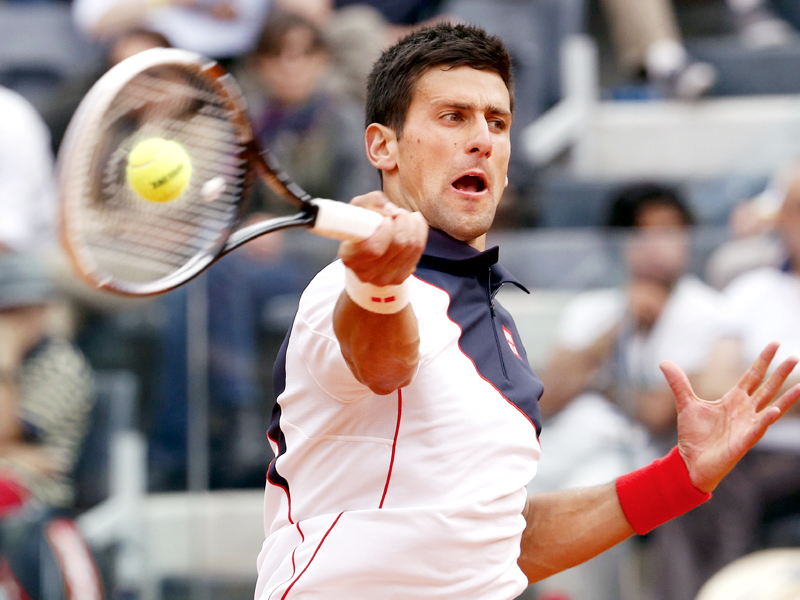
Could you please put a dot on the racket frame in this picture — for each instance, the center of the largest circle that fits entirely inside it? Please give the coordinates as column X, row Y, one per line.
column 87, row 120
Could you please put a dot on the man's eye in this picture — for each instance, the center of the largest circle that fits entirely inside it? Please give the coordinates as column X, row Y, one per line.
column 454, row 117
column 498, row 124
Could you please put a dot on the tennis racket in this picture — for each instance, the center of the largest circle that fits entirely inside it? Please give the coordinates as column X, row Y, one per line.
column 119, row 241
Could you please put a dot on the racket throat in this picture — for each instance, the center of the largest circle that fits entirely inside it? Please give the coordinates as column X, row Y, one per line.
column 244, row 235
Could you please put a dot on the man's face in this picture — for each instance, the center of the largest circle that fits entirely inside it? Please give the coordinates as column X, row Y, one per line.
column 452, row 157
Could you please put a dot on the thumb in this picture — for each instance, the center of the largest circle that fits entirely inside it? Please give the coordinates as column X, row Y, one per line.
column 377, row 201
column 678, row 382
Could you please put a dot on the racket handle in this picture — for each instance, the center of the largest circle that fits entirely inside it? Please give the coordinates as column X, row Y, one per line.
column 342, row 221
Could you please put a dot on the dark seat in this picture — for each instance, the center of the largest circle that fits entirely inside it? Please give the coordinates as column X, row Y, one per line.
column 41, row 49
column 114, row 410
column 747, row 71
column 533, row 31
column 563, row 200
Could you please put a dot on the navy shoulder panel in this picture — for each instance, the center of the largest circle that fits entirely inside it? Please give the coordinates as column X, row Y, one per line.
column 489, row 337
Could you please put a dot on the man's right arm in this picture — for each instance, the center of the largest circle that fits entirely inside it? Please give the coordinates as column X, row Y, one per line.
column 382, row 350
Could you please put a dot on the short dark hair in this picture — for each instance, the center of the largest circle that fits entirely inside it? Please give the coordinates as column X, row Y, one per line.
column 277, row 26
column 629, row 202
column 390, row 86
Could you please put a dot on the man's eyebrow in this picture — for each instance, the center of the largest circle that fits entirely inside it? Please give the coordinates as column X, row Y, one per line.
column 466, row 106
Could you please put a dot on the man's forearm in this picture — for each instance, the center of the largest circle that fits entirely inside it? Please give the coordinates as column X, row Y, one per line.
column 569, row 527
column 381, row 350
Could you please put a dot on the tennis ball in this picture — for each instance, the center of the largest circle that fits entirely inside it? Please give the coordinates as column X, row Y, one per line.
column 159, row 170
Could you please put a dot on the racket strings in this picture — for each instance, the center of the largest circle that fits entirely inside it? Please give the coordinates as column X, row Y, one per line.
column 129, row 238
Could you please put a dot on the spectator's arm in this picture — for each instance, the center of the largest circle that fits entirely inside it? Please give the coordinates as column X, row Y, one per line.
column 570, row 372
column 722, row 368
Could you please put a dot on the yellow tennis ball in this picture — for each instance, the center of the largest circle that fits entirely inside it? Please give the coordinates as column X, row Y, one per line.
column 159, row 170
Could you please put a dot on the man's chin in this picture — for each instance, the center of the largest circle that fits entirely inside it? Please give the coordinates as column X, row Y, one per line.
column 466, row 232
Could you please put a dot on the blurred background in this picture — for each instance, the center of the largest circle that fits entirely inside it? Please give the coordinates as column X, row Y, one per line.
column 653, row 211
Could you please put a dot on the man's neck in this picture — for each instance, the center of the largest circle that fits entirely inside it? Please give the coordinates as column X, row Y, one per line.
column 479, row 243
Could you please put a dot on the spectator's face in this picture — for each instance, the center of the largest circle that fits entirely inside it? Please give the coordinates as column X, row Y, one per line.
column 659, row 248
column 293, row 75
column 129, row 45
column 788, row 220
column 452, row 157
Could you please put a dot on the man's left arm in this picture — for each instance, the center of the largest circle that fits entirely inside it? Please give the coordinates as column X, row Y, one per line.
column 566, row 528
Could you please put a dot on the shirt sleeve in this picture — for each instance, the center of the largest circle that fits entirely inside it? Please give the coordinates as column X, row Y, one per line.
column 316, row 340
column 587, row 317
column 736, row 305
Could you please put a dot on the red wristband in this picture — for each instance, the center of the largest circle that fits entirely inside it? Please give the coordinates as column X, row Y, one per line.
column 658, row 492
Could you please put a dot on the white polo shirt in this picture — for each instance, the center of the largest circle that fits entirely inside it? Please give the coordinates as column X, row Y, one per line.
column 760, row 306
column 419, row 493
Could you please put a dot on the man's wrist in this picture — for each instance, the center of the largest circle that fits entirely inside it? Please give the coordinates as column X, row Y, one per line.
column 386, row 300
column 658, row 493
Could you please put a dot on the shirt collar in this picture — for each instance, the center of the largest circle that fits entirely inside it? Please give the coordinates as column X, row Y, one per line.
column 447, row 254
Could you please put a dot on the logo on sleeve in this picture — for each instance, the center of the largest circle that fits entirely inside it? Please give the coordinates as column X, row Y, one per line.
column 511, row 343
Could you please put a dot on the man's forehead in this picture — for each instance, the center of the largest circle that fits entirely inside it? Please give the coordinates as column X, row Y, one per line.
column 463, row 85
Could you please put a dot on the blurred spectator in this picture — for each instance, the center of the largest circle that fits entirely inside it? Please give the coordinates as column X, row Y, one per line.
column 609, row 407
column 357, row 31
column 648, row 42
column 45, row 402
column 761, row 304
column 754, row 241
column 759, row 24
column 221, row 29
column 58, row 114
column 316, row 135
column 27, row 192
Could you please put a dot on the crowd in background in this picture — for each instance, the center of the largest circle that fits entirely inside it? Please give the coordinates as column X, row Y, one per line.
column 302, row 64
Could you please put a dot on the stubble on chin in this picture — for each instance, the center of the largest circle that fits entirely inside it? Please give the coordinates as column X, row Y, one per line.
column 465, row 229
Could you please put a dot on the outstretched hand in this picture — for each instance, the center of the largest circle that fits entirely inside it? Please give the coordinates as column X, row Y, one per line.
column 714, row 435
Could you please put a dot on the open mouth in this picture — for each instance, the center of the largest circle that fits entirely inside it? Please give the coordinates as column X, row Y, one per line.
column 473, row 184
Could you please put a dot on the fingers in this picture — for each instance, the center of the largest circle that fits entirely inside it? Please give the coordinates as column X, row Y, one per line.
column 391, row 254
column 755, row 374
column 782, row 404
column 678, row 382
column 771, row 414
column 767, row 392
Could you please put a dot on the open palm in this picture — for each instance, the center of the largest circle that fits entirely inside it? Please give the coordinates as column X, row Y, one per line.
column 713, row 435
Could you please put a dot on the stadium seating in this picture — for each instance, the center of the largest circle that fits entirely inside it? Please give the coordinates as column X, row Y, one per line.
column 745, row 71
column 40, row 49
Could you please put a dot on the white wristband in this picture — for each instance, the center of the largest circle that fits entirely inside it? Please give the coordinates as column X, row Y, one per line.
column 385, row 300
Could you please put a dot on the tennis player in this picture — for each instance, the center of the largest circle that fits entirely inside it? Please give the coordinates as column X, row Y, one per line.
column 407, row 421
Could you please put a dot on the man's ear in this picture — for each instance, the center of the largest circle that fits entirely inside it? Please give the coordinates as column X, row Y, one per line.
column 381, row 144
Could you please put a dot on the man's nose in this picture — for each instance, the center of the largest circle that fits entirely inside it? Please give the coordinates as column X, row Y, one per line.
column 481, row 139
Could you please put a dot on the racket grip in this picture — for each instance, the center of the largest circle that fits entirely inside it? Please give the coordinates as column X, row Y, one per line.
column 342, row 221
